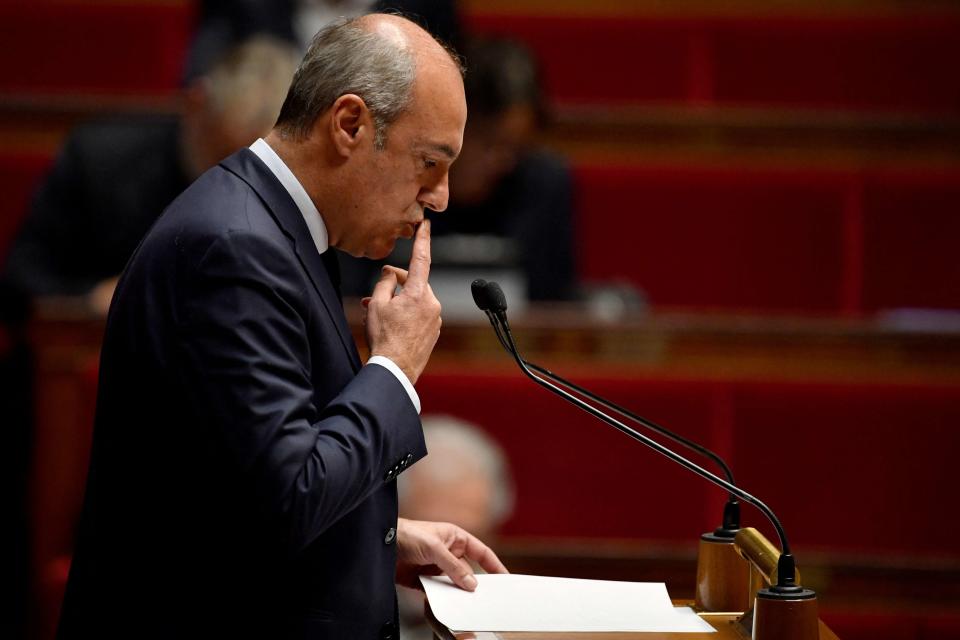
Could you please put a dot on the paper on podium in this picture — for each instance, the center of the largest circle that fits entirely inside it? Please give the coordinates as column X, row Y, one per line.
column 512, row 602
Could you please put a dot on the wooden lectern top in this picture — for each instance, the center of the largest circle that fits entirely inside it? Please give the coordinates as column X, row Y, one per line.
column 724, row 623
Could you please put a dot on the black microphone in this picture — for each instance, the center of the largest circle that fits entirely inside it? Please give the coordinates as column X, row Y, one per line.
column 478, row 289
column 490, row 298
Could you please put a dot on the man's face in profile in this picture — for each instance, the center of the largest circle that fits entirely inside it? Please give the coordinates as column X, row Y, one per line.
column 410, row 173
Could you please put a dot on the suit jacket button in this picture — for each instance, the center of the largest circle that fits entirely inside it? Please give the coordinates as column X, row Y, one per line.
column 389, row 475
column 391, row 536
column 388, row 631
column 408, row 459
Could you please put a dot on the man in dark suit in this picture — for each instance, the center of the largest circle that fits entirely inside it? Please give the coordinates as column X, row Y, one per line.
column 242, row 481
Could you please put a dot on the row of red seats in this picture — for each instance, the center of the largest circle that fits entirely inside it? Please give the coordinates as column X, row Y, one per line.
column 93, row 47
column 892, row 625
column 760, row 239
column 848, row 467
column 773, row 239
column 842, row 61
column 848, row 61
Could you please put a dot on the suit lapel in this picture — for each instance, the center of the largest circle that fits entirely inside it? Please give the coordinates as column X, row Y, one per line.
column 248, row 167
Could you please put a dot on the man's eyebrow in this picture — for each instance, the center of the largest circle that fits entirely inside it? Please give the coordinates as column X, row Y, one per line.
column 445, row 149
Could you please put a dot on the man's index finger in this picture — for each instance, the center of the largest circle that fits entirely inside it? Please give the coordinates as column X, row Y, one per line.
column 420, row 258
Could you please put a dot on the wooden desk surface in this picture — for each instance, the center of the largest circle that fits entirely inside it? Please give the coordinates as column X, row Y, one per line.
column 724, row 623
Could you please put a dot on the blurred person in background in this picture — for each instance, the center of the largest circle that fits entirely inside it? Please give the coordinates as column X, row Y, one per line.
column 113, row 178
column 222, row 23
column 16, row 409
column 504, row 188
column 465, row 480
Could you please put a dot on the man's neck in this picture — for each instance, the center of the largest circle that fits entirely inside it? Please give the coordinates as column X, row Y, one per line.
column 304, row 165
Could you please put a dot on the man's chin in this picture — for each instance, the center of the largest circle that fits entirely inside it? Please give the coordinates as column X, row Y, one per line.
column 380, row 251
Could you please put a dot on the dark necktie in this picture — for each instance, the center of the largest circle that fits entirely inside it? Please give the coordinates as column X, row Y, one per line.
column 333, row 269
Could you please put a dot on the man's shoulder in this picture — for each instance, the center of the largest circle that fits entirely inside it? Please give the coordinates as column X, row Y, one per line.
column 219, row 203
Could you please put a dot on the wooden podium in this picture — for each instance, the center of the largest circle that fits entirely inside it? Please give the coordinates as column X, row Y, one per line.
column 724, row 623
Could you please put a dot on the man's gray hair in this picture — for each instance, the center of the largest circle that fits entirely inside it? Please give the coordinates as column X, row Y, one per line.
column 346, row 58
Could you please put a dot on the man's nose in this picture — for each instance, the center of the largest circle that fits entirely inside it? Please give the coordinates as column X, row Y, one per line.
column 435, row 197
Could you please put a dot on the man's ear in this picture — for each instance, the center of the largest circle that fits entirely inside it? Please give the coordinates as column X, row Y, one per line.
column 350, row 122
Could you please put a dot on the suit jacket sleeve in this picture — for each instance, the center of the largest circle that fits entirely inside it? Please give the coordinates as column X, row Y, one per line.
column 312, row 442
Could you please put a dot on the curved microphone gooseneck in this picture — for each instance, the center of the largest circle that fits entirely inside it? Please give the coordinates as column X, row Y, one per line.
column 489, row 297
column 492, row 301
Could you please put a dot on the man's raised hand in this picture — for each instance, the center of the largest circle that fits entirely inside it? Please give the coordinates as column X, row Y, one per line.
column 405, row 326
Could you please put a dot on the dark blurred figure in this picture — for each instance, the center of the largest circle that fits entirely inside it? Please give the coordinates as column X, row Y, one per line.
column 16, row 400
column 225, row 22
column 113, row 178
column 512, row 196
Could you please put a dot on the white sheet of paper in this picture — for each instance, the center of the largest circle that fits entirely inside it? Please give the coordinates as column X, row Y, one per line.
column 513, row 602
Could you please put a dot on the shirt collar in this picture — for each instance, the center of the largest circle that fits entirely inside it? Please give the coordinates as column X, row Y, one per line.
column 318, row 230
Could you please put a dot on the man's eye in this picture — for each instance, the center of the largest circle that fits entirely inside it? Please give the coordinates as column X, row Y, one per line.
column 429, row 164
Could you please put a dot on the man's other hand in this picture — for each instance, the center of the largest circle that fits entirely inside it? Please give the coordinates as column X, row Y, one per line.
column 405, row 326
column 434, row 548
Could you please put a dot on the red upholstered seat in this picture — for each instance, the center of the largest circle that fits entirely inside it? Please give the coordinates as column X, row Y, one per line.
column 576, row 477
column 910, row 239
column 772, row 239
column 93, row 47
column 847, row 467
column 715, row 237
column 871, row 463
column 853, row 61
column 872, row 625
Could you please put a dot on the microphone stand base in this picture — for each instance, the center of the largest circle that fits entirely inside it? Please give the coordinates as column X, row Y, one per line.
column 785, row 616
column 723, row 577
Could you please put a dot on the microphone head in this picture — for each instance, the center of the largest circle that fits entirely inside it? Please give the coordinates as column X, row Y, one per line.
column 479, row 290
column 496, row 301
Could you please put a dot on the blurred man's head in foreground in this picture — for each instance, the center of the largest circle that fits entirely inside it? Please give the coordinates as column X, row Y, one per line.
column 235, row 102
column 465, row 479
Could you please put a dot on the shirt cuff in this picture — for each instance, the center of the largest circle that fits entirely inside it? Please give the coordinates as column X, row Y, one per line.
column 391, row 366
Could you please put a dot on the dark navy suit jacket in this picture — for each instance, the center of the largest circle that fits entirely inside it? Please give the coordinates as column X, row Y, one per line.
column 242, row 475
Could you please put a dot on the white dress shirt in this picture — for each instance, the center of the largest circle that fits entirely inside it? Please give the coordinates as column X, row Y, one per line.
column 318, row 231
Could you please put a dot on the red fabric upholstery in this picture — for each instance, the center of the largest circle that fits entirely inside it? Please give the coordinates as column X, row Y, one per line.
column 941, row 627
column 868, row 466
column 860, row 62
column 596, row 60
column 872, row 625
column 871, row 464
column 910, row 240
column 916, row 624
column 767, row 239
column 714, row 237
column 100, row 47
column 575, row 476
column 897, row 63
